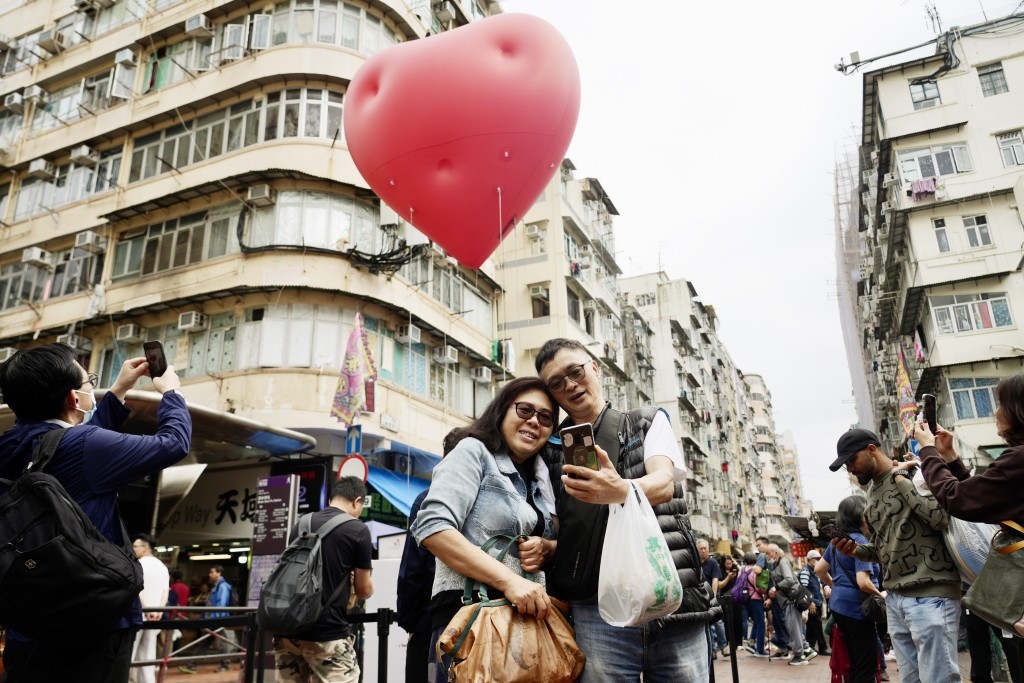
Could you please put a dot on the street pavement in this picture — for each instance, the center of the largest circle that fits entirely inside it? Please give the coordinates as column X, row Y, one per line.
column 753, row 669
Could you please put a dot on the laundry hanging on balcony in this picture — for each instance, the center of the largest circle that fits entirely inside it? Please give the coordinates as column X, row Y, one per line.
column 356, row 369
column 919, row 189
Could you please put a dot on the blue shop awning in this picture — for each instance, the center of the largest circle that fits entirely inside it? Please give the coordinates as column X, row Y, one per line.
column 422, row 461
column 399, row 489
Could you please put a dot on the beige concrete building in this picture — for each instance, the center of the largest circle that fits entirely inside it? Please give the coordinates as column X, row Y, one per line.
column 776, row 481
column 931, row 239
column 178, row 171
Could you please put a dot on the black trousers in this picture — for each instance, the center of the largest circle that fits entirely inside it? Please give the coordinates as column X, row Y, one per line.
column 979, row 644
column 106, row 660
column 416, row 654
column 861, row 646
column 815, row 632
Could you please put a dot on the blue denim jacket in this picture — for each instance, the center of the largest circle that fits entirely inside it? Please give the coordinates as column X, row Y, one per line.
column 480, row 495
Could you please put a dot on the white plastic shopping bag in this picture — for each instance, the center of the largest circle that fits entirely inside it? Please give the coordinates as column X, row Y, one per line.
column 639, row 581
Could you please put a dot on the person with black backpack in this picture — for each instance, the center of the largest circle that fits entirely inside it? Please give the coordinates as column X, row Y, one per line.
column 61, row 627
column 639, row 446
column 325, row 649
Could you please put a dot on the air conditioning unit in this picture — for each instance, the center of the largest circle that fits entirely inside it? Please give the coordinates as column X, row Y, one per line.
column 883, row 230
column 191, row 321
column 260, row 195
column 105, row 4
column 5, row 41
column 585, row 262
column 199, row 26
column 125, row 57
column 52, row 41
column 34, row 256
column 888, row 180
column 589, row 305
column 6, row 353
column 34, row 93
column 539, row 292
column 408, row 334
column 865, row 198
column 535, row 232
column 42, row 168
column 131, row 333
column 481, row 375
column 444, row 12
column 651, row 372
column 437, row 254
column 72, row 340
column 87, row 240
column 446, row 354
column 14, row 102
column 865, row 176
column 888, row 206
column 84, row 155
column 86, row 5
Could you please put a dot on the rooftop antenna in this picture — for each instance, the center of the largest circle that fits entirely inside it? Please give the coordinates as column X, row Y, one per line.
column 933, row 16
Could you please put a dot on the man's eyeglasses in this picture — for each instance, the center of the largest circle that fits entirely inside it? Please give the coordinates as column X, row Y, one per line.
column 92, row 379
column 576, row 374
column 526, row 411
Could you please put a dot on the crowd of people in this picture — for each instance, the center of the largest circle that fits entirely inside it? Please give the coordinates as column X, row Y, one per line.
column 505, row 475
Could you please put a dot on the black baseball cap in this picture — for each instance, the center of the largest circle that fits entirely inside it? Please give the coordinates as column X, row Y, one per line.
column 850, row 443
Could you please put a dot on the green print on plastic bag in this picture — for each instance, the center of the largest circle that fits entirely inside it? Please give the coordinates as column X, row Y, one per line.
column 662, row 573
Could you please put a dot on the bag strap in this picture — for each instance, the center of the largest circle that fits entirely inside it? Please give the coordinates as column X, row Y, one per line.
column 45, row 449
column 467, row 594
column 305, row 527
column 1013, row 547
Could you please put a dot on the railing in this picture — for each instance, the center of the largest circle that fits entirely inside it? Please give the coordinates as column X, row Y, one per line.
column 253, row 654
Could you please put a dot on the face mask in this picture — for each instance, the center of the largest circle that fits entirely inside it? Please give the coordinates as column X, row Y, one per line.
column 92, row 411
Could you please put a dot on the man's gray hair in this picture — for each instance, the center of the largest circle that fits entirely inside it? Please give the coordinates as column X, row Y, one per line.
column 703, row 543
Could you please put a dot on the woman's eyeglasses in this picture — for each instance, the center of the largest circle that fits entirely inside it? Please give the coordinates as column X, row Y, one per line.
column 576, row 374
column 92, row 379
column 526, row 411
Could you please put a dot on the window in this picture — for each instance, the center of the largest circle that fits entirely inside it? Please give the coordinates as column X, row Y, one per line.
column 5, row 195
column 939, row 225
column 973, row 397
column 310, row 219
column 330, row 22
column 924, row 94
column 128, row 255
column 21, row 284
column 993, row 80
column 213, row 350
column 929, row 162
column 76, row 271
column 174, row 63
column 977, row 231
column 573, row 305
column 645, row 299
column 446, row 285
column 1011, row 147
column 961, row 313
column 541, row 308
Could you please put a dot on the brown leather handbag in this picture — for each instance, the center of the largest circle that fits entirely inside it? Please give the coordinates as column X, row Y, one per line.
column 491, row 642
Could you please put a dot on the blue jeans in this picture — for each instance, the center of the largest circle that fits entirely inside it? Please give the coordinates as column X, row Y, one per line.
column 663, row 652
column 754, row 610
column 924, row 633
column 718, row 637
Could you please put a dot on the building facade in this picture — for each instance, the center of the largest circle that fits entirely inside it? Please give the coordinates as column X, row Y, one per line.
column 932, row 234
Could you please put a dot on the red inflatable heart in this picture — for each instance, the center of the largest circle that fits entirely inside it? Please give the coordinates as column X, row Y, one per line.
column 460, row 132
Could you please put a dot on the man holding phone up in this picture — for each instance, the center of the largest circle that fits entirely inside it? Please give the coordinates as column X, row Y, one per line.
column 641, row 446
column 905, row 533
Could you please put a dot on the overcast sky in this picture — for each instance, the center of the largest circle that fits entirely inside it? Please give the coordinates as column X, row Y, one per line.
column 714, row 127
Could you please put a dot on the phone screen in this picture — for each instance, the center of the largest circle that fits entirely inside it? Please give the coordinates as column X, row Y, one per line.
column 578, row 446
column 834, row 532
column 155, row 357
column 929, row 413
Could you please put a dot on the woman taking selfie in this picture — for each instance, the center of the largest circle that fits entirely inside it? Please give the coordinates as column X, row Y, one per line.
column 492, row 483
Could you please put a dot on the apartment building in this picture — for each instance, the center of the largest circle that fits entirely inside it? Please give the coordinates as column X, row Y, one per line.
column 178, row 171
column 930, row 232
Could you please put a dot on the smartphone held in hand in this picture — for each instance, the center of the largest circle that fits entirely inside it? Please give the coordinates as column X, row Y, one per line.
column 835, row 533
column 578, row 446
column 154, row 351
column 929, row 413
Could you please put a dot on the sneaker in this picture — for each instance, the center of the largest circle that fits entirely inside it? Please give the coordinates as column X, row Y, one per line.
column 714, row 654
column 186, row 669
column 749, row 648
column 799, row 660
column 891, row 656
column 809, row 654
column 782, row 653
column 725, row 651
column 761, row 654
column 825, row 653
column 224, row 667
column 885, row 676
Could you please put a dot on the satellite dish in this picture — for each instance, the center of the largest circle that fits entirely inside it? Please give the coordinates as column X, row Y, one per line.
column 354, row 466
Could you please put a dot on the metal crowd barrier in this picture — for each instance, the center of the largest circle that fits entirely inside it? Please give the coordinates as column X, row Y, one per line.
column 253, row 652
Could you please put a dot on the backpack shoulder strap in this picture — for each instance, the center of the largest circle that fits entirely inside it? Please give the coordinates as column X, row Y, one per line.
column 333, row 523
column 45, row 448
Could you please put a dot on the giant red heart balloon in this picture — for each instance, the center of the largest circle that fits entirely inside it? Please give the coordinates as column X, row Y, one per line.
column 460, row 132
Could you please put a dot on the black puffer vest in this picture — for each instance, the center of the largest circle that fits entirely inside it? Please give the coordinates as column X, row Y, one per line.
column 574, row 572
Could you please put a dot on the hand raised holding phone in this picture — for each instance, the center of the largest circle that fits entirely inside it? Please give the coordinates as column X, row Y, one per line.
column 163, row 376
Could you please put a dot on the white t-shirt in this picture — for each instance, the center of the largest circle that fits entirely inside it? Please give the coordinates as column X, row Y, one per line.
column 661, row 440
column 157, row 582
